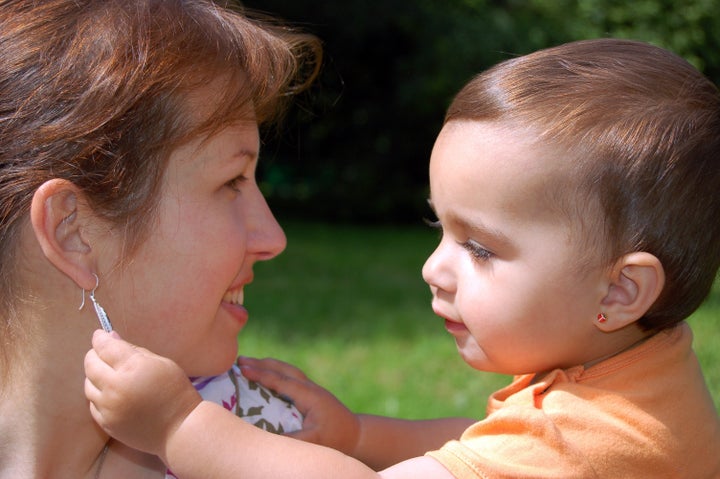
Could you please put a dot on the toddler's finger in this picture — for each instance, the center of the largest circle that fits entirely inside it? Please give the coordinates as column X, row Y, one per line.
column 266, row 377
column 306, row 435
column 92, row 393
column 93, row 365
column 302, row 393
column 274, row 365
column 111, row 348
column 98, row 375
column 98, row 416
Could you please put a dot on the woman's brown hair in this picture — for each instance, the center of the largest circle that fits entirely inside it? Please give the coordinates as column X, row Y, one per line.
column 641, row 131
column 94, row 91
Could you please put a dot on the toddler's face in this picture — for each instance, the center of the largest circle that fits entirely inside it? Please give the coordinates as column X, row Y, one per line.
column 505, row 275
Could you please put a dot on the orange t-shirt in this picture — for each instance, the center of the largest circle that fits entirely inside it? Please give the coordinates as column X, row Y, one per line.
column 645, row 413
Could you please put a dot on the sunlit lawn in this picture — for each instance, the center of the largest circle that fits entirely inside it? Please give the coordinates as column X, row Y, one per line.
column 348, row 305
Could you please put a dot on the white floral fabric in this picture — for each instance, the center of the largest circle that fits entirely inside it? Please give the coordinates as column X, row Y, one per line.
column 250, row 401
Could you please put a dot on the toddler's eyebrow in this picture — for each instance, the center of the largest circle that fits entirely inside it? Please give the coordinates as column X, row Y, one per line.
column 476, row 229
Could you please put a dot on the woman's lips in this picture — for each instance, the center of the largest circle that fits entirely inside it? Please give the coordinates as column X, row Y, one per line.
column 237, row 311
column 233, row 304
column 236, row 296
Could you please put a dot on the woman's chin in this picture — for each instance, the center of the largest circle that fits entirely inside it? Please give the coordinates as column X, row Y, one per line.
column 216, row 362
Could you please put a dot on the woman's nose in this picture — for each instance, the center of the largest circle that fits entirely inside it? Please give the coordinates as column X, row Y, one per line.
column 266, row 238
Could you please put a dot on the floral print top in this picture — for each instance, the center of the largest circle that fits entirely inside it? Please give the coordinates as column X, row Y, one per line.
column 250, row 401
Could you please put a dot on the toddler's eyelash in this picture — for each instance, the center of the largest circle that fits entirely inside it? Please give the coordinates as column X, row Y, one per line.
column 434, row 224
column 476, row 251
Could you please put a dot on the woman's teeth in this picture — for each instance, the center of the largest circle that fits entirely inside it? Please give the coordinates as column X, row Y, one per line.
column 234, row 297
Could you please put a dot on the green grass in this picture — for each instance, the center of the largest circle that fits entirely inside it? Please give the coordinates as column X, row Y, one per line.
column 348, row 305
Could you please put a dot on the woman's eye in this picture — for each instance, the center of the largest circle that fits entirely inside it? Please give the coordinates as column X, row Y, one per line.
column 236, row 183
column 476, row 251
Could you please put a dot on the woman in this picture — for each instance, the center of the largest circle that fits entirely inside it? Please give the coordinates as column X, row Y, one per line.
column 128, row 147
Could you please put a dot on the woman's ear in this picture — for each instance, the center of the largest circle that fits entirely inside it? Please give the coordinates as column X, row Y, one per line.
column 58, row 218
column 636, row 282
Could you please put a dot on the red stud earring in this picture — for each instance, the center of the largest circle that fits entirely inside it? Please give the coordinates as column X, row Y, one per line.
column 601, row 318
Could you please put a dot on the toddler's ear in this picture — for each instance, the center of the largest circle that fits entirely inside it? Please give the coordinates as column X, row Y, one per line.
column 637, row 281
column 57, row 218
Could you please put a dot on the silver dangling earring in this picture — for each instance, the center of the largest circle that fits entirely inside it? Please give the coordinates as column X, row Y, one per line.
column 99, row 311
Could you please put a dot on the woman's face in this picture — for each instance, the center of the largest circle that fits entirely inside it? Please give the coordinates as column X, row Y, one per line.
column 182, row 294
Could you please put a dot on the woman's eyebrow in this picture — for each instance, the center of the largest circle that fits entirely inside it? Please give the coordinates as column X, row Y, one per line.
column 244, row 156
column 245, row 153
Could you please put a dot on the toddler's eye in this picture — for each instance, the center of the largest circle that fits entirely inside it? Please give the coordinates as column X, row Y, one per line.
column 436, row 225
column 476, row 251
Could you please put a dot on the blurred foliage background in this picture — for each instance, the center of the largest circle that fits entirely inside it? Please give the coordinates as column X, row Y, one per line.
column 355, row 148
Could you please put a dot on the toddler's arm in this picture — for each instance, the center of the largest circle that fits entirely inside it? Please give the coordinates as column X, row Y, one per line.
column 146, row 402
column 138, row 397
column 375, row 440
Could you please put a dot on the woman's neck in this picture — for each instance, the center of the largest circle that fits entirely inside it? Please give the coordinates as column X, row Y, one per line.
column 45, row 423
column 46, row 429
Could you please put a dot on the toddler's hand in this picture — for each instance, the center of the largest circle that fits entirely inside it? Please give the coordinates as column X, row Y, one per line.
column 326, row 421
column 136, row 396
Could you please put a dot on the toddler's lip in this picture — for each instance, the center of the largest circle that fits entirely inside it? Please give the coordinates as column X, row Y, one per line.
column 455, row 327
column 450, row 323
column 436, row 309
